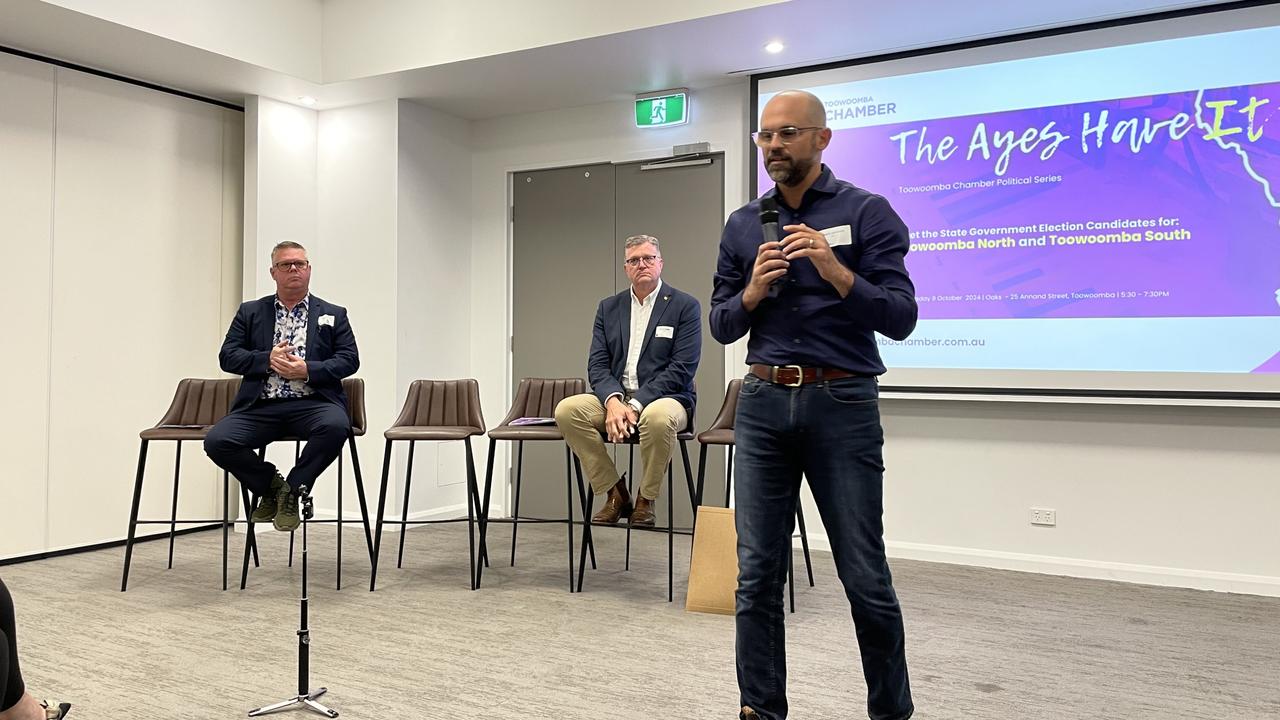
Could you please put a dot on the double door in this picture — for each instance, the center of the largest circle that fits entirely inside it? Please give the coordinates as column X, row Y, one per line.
column 569, row 228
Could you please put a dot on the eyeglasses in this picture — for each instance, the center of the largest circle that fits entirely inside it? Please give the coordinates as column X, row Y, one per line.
column 787, row 135
column 292, row 266
column 645, row 260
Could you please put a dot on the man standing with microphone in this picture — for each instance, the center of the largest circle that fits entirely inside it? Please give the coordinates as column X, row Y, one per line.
column 813, row 300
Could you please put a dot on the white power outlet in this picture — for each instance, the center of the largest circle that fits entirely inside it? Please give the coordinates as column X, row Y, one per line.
column 1044, row 516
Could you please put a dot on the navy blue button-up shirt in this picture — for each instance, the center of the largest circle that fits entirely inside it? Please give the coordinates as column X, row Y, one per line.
column 808, row 323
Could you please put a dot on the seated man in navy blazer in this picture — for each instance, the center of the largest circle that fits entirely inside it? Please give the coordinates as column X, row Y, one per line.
column 293, row 350
column 644, row 353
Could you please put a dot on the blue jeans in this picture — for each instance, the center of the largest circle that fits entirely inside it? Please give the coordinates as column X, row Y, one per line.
column 830, row 432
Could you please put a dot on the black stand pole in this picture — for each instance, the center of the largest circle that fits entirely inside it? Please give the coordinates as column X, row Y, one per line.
column 305, row 697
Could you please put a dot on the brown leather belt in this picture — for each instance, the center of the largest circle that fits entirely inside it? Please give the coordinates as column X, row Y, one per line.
column 796, row 375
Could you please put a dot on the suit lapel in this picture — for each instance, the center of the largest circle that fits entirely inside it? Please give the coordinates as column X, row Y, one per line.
column 315, row 306
column 622, row 315
column 660, row 305
column 267, row 318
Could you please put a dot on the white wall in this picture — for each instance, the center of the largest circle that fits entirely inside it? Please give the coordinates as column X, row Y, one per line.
column 127, row 276
column 357, row 257
column 1161, row 495
column 434, row 277
column 282, row 35
column 280, row 186
column 373, row 37
column 27, row 92
column 595, row 133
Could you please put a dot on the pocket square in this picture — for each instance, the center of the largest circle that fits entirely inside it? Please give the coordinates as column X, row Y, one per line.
column 325, row 320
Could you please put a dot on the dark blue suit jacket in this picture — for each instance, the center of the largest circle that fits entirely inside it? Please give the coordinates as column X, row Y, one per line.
column 331, row 349
column 667, row 364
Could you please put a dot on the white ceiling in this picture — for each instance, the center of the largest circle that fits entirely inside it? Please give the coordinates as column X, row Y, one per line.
column 694, row 53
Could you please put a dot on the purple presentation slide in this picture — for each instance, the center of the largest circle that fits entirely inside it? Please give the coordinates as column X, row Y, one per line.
column 1145, row 207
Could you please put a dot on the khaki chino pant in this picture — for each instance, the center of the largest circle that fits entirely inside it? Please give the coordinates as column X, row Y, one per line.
column 581, row 419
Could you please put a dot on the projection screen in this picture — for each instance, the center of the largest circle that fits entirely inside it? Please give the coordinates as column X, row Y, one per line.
column 1092, row 212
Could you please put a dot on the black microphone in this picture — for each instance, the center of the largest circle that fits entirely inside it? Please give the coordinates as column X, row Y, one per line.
column 769, row 226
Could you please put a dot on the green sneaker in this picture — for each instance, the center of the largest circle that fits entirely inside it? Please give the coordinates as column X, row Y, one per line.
column 267, row 504
column 287, row 519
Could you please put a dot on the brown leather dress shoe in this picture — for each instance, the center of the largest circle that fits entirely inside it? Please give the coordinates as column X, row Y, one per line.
column 642, row 515
column 618, row 504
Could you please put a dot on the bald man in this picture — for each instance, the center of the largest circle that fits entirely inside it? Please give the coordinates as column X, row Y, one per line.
column 813, row 301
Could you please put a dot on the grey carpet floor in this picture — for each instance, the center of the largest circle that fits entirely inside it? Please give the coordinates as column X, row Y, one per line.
column 981, row 643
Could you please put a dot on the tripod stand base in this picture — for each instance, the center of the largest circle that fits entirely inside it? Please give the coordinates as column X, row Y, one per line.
column 307, row 702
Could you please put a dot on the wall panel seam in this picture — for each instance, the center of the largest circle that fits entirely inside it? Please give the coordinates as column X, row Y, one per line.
column 48, row 389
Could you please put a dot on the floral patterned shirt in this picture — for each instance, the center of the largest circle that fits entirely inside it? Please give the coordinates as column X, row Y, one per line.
column 291, row 327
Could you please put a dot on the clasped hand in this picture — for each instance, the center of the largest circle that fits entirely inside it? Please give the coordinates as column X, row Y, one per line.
column 619, row 419
column 286, row 364
column 774, row 258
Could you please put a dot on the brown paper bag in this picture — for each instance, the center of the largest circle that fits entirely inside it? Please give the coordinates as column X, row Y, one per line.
column 713, row 569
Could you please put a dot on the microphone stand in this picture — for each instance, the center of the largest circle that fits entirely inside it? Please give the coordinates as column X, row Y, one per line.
column 305, row 698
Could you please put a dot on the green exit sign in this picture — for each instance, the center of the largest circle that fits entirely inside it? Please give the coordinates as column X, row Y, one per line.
column 662, row 110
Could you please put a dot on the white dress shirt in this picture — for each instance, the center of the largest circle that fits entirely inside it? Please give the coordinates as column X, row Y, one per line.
column 641, row 311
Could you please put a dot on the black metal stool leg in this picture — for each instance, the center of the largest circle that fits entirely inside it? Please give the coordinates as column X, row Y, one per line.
column 133, row 514
column 694, row 493
column 631, row 481
column 515, row 516
column 568, row 523
column 404, row 513
column 473, row 487
column 338, row 584
column 671, row 521
column 226, row 522
column 473, row 498
column 702, row 474
column 587, row 502
column 173, row 512
column 804, row 540
column 728, row 478
column 586, row 516
column 251, row 537
column 382, row 503
column 484, row 506
column 364, row 508
column 250, row 541
column 791, row 575
column 297, row 453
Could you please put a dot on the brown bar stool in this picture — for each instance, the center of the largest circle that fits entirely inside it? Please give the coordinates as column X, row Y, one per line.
column 353, row 388
column 721, row 433
column 683, row 437
column 197, row 405
column 438, row 411
column 535, row 398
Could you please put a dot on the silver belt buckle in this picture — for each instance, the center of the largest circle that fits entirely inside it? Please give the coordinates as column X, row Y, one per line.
column 799, row 375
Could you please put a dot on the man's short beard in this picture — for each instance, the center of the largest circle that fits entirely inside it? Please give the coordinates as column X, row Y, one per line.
column 792, row 175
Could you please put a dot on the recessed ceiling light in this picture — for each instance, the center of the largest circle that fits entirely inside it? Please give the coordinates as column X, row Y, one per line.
column 774, row 47
column 307, row 100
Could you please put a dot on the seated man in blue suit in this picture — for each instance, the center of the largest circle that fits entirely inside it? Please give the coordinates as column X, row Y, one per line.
column 644, row 353
column 293, row 350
